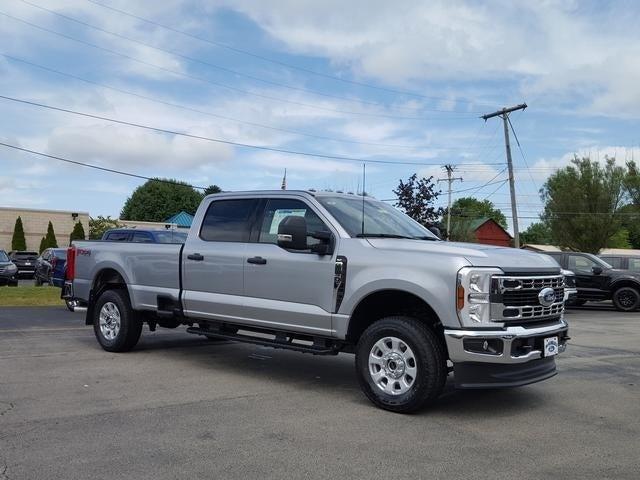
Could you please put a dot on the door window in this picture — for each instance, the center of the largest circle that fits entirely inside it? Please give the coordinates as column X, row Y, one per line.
column 228, row 221
column 278, row 209
column 634, row 264
column 615, row 262
column 578, row 263
column 142, row 237
column 118, row 236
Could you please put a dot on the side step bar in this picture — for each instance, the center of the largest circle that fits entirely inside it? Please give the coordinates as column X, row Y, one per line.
column 278, row 342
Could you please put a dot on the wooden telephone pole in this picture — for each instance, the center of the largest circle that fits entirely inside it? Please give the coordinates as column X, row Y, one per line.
column 450, row 179
column 504, row 114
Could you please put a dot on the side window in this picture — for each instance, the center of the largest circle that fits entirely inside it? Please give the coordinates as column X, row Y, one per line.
column 45, row 255
column 142, row 237
column 634, row 264
column 615, row 262
column 227, row 221
column 276, row 211
column 578, row 263
column 118, row 236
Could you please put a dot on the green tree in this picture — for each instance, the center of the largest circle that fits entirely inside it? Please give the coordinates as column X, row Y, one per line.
column 630, row 220
column 620, row 239
column 18, row 241
column 416, row 197
column 77, row 233
column 582, row 202
column 537, row 233
column 158, row 199
column 212, row 189
column 472, row 208
column 50, row 237
column 632, row 183
column 100, row 224
column 43, row 245
column 462, row 230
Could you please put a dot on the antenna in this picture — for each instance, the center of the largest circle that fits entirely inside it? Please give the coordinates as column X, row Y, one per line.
column 364, row 177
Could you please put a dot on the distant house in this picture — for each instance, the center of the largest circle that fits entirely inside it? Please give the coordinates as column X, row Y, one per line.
column 182, row 219
column 490, row 232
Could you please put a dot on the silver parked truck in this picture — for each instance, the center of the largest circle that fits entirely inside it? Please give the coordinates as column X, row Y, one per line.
column 326, row 273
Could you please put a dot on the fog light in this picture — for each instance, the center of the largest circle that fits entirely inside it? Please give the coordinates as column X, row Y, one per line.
column 486, row 346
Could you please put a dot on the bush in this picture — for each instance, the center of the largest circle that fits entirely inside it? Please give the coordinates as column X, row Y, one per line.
column 18, row 242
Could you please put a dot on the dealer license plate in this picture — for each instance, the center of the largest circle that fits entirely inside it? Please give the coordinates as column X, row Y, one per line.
column 550, row 346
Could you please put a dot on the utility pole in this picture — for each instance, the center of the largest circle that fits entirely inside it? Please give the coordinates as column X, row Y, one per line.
column 504, row 114
column 450, row 179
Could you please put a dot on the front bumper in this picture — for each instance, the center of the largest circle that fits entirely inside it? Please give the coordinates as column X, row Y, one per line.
column 506, row 357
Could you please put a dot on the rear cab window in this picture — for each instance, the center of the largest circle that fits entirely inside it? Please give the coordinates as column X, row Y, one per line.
column 228, row 220
column 117, row 237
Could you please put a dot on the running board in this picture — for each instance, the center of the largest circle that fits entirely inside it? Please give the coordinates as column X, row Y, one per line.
column 278, row 342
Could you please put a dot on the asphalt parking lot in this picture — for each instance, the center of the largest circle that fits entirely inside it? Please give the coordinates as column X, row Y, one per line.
column 180, row 406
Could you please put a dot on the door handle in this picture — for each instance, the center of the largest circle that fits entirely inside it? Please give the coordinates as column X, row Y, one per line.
column 257, row 260
column 195, row 256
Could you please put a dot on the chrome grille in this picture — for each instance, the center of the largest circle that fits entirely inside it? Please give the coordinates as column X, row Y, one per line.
column 515, row 299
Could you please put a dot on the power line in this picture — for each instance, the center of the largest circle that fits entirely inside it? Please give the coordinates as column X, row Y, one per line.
column 223, row 117
column 211, row 139
column 96, row 167
column 278, row 62
column 217, row 84
column 225, row 69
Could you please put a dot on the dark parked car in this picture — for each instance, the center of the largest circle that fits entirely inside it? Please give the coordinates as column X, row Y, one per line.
column 50, row 267
column 596, row 280
column 622, row 262
column 8, row 270
column 25, row 261
column 144, row 236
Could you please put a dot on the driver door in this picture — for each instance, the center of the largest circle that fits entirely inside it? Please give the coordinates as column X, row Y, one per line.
column 286, row 289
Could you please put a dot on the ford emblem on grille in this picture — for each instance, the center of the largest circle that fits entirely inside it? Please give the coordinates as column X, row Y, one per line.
column 547, row 296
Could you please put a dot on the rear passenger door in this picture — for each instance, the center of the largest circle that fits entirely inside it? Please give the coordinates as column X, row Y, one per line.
column 285, row 289
column 213, row 261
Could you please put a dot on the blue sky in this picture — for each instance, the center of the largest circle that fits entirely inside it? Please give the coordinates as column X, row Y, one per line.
column 576, row 64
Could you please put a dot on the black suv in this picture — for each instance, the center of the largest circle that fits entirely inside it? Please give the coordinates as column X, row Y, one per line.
column 596, row 280
column 25, row 261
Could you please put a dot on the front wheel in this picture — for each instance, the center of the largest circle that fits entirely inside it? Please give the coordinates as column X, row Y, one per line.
column 401, row 364
column 114, row 322
column 626, row 299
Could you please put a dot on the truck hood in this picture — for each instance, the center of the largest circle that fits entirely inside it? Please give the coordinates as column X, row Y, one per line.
column 510, row 260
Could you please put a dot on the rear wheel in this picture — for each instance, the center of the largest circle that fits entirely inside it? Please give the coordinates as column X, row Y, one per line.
column 626, row 299
column 401, row 364
column 114, row 322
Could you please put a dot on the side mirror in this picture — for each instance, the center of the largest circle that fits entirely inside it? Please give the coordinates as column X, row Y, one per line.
column 596, row 270
column 326, row 245
column 292, row 233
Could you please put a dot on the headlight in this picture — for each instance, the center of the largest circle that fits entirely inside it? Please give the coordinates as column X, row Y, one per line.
column 12, row 268
column 473, row 295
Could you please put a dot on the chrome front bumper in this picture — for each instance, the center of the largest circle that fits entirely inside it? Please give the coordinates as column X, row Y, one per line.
column 510, row 337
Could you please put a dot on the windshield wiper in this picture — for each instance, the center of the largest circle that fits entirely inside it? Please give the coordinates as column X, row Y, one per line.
column 425, row 237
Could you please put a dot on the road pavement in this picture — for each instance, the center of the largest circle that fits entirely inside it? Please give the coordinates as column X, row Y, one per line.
column 180, row 406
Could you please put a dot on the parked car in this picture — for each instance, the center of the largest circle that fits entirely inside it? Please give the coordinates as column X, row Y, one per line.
column 622, row 262
column 25, row 261
column 8, row 271
column 325, row 273
column 51, row 267
column 596, row 280
column 144, row 236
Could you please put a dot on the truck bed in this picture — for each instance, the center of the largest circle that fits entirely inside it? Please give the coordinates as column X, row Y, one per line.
column 148, row 269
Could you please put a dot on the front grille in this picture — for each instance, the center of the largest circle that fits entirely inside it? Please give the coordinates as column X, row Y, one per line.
column 516, row 299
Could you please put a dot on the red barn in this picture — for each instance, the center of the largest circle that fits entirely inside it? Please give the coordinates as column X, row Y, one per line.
column 489, row 232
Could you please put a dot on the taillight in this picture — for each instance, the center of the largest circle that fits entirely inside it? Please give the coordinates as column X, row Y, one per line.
column 54, row 260
column 71, row 263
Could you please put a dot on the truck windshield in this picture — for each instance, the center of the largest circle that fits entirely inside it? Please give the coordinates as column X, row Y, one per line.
column 380, row 219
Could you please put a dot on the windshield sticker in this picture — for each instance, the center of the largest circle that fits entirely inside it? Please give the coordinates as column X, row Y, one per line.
column 280, row 215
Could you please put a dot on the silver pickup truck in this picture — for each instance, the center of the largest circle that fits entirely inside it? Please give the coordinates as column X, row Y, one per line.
column 325, row 273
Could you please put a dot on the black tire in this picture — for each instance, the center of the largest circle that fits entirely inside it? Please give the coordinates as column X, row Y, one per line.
column 130, row 327
column 430, row 363
column 626, row 299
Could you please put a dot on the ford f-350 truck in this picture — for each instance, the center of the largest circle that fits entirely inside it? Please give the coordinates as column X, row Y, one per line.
column 325, row 273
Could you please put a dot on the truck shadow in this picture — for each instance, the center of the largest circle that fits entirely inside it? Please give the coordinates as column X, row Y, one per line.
column 332, row 376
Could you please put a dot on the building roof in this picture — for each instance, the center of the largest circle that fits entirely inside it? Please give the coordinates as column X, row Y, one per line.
column 478, row 222
column 620, row 251
column 541, row 248
column 182, row 219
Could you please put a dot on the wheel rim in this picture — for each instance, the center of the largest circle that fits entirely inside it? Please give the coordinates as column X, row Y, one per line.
column 627, row 298
column 109, row 320
column 392, row 366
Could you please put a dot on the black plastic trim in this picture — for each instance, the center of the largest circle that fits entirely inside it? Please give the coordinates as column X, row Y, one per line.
column 501, row 375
